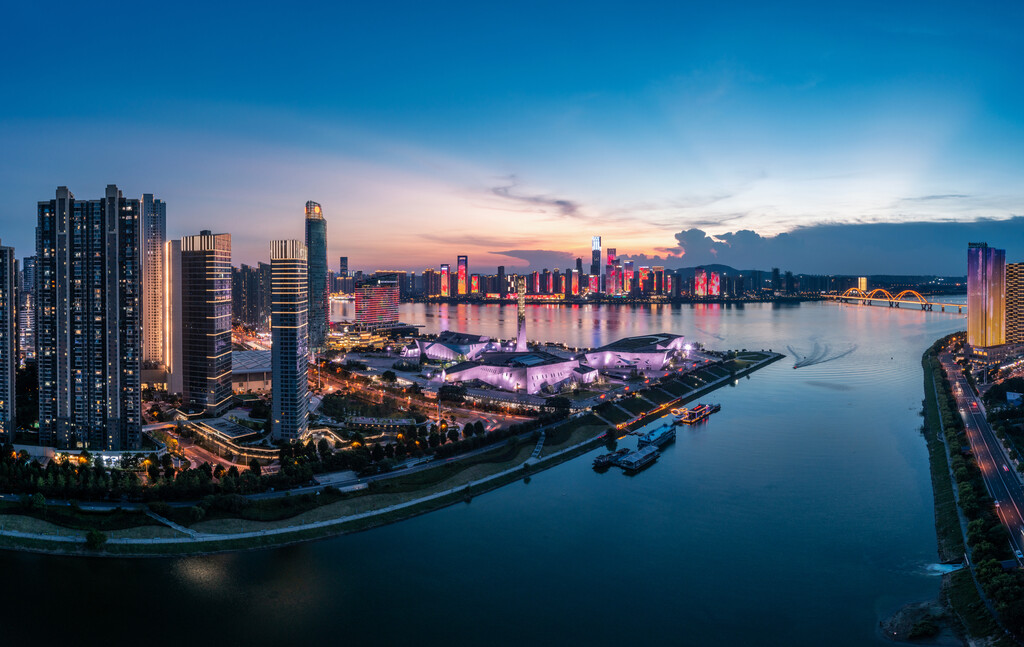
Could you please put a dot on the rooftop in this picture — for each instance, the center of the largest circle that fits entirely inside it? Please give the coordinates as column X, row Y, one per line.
column 250, row 361
column 641, row 343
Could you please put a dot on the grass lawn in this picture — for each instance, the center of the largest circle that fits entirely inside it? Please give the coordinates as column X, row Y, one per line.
column 612, row 413
column 693, row 381
column 716, row 371
column 753, row 356
column 676, row 388
column 414, row 486
column 635, row 405
column 68, row 517
column 658, row 396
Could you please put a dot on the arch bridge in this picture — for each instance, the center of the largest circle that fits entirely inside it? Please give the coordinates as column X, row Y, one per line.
column 880, row 296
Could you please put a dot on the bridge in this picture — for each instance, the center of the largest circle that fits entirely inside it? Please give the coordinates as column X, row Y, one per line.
column 879, row 296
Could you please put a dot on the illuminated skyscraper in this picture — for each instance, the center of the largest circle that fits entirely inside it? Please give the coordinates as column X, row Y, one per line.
column 595, row 256
column 521, row 314
column 199, row 311
column 27, row 309
column 714, row 285
column 463, row 262
column 1015, row 303
column 317, row 289
column 609, row 272
column 8, row 342
column 343, row 266
column 154, row 235
column 88, row 321
column 377, row 305
column 445, row 280
column 986, row 295
column 627, row 277
column 700, row 282
column 289, row 412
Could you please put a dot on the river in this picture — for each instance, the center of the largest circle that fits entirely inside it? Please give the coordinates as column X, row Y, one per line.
column 801, row 514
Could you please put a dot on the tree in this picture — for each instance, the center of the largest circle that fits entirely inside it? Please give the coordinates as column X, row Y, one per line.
column 559, row 402
column 95, row 539
column 453, row 434
column 389, row 377
column 254, row 467
column 376, row 453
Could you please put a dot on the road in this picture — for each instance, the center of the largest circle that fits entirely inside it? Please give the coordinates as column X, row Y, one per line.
column 997, row 469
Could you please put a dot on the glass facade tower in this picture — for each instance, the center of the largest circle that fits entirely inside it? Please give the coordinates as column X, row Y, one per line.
column 317, row 288
column 205, row 322
column 289, row 353
column 986, row 295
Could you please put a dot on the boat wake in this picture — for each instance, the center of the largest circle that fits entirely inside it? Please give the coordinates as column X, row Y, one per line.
column 709, row 334
column 820, row 354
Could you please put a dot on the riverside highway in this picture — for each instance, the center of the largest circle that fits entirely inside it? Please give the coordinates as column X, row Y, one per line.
column 1001, row 478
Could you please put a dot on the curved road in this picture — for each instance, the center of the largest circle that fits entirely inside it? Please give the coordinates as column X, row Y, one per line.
column 1001, row 479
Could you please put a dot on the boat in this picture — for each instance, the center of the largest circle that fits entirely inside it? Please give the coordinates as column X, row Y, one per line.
column 607, row 460
column 641, row 458
column 659, row 437
column 698, row 413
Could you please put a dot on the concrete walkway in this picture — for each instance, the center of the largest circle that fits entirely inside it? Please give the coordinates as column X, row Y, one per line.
column 171, row 524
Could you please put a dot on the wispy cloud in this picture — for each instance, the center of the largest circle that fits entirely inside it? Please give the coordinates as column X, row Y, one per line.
column 560, row 206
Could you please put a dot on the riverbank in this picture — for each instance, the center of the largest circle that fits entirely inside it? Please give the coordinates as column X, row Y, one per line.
column 960, row 607
column 212, row 530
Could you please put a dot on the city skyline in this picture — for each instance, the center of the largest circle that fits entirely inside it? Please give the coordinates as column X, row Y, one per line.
column 821, row 126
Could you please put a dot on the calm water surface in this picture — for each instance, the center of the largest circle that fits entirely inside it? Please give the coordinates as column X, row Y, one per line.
column 799, row 515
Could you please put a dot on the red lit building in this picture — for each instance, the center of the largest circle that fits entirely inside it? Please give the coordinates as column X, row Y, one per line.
column 377, row 306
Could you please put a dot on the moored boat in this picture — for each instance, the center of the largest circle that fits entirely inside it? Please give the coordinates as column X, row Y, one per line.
column 641, row 458
column 607, row 460
column 659, row 437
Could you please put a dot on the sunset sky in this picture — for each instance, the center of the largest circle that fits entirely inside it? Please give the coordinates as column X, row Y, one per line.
column 513, row 133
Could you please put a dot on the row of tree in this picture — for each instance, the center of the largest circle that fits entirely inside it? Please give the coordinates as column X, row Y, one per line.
column 987, row 538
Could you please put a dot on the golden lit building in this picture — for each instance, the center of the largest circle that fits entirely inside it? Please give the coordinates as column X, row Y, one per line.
column 986, row 295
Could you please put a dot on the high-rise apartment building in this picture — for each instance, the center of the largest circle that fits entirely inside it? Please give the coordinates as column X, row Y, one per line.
column 199, row 309
column 319, row 297
column 245, row 295
column 290, row 352
column 89, row 321
column 445, row 280
column 986, row 295
column 154, row 235
column 26, row 306
column 1015, row 303
column 8, row 342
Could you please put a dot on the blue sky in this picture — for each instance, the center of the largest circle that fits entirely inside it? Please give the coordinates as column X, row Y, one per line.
column 429, row 130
